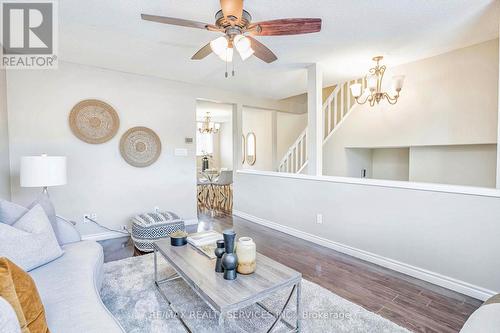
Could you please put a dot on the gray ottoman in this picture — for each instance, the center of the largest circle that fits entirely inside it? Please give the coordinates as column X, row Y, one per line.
column 149, row 227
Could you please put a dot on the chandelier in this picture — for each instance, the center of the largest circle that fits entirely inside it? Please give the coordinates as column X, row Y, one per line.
column 373, row 93
column 208, row 126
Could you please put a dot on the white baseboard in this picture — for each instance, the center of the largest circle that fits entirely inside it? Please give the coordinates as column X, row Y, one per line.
column 419, row 273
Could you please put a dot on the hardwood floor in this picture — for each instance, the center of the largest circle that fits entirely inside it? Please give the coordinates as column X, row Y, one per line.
column 417, row 305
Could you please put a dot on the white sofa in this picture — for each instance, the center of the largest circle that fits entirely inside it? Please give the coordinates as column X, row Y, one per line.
column 69, row 286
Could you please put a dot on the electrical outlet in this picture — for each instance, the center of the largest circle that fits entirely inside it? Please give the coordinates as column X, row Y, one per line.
column 319, row 218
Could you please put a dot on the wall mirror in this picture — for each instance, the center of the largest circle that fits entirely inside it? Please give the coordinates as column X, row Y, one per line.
column 243, row 149
column 251, row 148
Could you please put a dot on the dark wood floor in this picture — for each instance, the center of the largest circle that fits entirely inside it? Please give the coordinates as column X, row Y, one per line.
column 409, row 302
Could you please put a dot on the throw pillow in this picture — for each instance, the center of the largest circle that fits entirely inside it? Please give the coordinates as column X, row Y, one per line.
column 19, row 289
column 11, row 212
column 8, row 318
column 44, row 201
column 30, row 242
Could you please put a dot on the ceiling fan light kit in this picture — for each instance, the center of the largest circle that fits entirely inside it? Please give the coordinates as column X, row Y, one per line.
column 373, row 93
column 236, row 25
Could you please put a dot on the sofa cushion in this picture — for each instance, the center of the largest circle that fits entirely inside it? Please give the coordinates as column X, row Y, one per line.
column 11, row 212
column 44, row 201
column 30, row 241
column 69, row 288
column 19, row 289
column 8, row 318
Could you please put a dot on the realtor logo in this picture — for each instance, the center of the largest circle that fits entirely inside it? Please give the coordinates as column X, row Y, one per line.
column 28, row 35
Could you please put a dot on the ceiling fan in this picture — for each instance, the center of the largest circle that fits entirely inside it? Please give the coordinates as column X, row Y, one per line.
column 237, row 26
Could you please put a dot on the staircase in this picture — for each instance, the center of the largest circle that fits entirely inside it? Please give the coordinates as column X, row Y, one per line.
column 336, row 109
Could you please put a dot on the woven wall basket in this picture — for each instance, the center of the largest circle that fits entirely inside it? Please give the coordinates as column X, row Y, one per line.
column 94, row 121
column 140, row 147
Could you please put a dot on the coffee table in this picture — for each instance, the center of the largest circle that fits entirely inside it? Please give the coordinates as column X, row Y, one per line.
column 224, row 296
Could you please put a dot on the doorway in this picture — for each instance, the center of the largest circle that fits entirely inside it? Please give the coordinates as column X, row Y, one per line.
column 214, row 157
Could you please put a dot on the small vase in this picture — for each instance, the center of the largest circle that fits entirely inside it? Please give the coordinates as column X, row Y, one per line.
column 229, row 259
column 247, row 255
column 219, row 252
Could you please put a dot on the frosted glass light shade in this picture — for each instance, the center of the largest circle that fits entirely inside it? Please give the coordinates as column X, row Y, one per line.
column 356, row 89
column 227, row 56
column 41, row 171
column 397, row 82
column 219, row 46
column 246, row 54
column 371, row 82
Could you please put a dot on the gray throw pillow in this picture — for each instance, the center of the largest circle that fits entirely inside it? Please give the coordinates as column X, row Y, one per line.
column 30, row 242
column 11, row 212
column 44, row 201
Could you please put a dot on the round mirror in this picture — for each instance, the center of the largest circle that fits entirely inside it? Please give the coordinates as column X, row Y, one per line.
column 251, row 148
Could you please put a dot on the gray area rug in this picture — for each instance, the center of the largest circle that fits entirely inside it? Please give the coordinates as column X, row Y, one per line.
column 129, row 293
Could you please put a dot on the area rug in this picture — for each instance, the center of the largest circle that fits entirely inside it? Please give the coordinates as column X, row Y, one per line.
column 129, row 293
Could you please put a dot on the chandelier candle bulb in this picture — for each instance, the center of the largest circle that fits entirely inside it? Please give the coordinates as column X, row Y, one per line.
column 247, row 255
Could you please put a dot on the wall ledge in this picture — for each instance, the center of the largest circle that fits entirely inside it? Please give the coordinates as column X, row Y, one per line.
column 419, row 273
column 428, row 187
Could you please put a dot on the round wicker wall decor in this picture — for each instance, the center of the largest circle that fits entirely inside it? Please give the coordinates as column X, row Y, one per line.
column 140, row 146
column 94, row 121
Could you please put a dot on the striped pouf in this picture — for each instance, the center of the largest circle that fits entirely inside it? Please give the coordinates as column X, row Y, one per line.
column 149, row 227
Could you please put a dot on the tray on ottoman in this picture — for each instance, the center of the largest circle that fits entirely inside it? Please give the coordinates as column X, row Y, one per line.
column 149, row 227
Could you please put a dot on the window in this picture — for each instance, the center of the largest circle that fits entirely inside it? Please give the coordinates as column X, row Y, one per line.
column 204, row 143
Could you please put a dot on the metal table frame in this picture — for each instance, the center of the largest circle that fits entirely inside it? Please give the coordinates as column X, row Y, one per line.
column 296, row 287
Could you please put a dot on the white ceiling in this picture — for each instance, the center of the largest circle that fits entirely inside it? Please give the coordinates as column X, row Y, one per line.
column 110, row 34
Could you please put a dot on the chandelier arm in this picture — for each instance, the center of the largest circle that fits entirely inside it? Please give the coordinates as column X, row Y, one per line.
column 361, row 103
column 391, row 100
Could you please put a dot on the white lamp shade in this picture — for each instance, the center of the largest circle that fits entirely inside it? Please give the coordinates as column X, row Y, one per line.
column 227, row 56
column 397, row 82
column 219, row 45
column 41, row 171
column 356, row 89
column 371, row 82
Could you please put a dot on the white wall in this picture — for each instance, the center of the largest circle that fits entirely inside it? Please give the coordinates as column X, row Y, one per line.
column 391, row 164
column 289, row 126
column 99, row 180
column 226, row 145
column 4, row 141
column 447, row 238
column 450, row 99
column 473, row 165
column 259, row 121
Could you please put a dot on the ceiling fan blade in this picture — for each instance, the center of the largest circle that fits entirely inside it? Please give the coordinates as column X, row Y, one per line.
column 202, row 53
column 283, row 27
column 175, row 21
column 232, row 9
column 261, row 51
